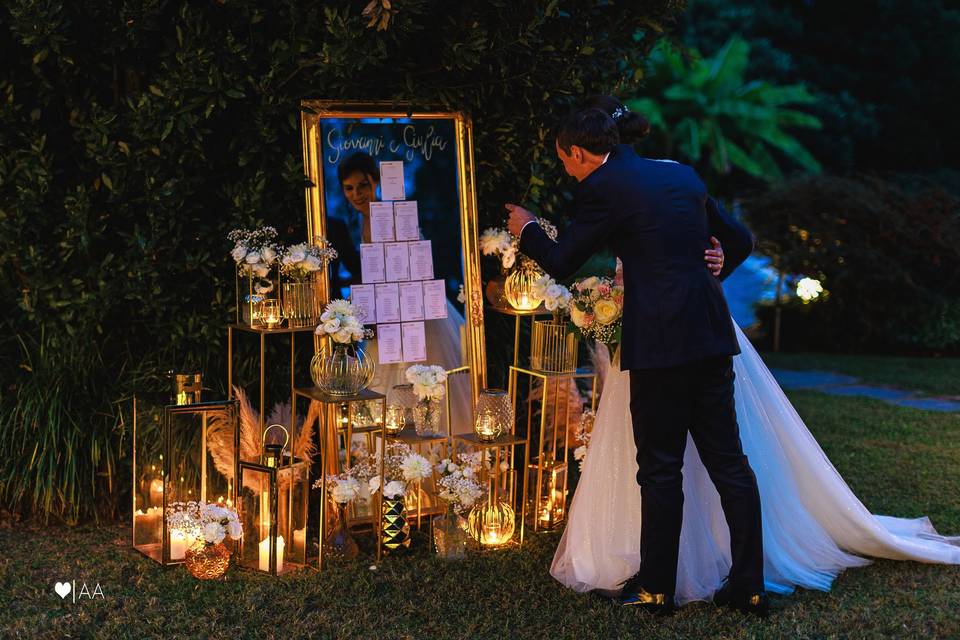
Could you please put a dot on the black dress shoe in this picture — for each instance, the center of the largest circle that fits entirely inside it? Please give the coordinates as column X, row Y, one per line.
column 634, row 595
column 755, row 604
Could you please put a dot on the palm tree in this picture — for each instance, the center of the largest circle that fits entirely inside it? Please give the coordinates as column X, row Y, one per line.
column 709, row 116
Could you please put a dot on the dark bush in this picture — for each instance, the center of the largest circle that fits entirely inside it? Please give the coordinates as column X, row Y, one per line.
column 886, row 250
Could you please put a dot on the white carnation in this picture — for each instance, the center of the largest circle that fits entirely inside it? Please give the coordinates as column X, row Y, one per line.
column 416, row 467
column 394, row 489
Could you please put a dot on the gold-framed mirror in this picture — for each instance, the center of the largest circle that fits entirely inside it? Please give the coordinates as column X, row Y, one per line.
column 427, row 192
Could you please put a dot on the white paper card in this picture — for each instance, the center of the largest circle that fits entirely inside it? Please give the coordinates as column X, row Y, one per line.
column 414, row 342
column 363, row 296
column 408, row 221
column 411, row 301
column 381, row 221
column 388, row 302
column 371, row 263
column 397, row 261
column 434, row 300
column 389, row 344
column 421, row 260
column 391, row 180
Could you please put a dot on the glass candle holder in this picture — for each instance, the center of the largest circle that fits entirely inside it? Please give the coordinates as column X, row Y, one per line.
column 395, row 419
column 494, row 414
column 270, row 313
column 519, row 289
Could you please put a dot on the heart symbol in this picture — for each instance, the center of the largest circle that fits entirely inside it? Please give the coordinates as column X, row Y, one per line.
column 62, row 589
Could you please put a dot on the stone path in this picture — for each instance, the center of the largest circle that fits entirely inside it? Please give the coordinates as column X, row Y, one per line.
column 840, row 385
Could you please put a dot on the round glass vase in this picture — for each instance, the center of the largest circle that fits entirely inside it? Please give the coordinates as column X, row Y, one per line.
column 338, row 544
column 301, row 303
column 207, row 561
column 426, row 417
column 341, row 369
column 450, row 535
column 519, row 288
column 491, row 523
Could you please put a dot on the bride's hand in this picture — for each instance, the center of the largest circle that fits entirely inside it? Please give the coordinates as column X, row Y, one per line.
column 714, row 257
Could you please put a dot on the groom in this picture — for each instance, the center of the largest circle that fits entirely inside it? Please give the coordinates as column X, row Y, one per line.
column 678, row 342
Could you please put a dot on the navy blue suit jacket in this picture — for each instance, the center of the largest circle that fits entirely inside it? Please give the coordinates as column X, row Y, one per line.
column 657, row 217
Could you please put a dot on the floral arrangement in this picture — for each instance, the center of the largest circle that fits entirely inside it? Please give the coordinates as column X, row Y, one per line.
column 458, row 485
column 207, row 521
column 299, row 261
column 427, row 380
column 597, row 308
column 341, row 321
column 497, row 241
column 254, row 251
column 556, row 297
column 400, row 467
column 583, row 435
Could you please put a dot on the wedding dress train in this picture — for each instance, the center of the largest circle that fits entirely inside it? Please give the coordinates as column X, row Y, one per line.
column 813, row 524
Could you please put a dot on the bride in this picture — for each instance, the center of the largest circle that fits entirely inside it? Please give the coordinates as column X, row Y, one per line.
column 813, row 524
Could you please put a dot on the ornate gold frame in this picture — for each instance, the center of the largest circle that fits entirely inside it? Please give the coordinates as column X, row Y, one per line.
column 312, row 111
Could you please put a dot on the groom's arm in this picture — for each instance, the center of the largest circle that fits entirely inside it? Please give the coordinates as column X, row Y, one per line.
column 588, row 233
column 734, row 237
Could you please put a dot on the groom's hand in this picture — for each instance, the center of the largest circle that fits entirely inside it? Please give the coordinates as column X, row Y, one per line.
column 519, row 217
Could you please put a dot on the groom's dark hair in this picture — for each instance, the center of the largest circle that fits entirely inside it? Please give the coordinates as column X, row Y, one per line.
column 590, row 129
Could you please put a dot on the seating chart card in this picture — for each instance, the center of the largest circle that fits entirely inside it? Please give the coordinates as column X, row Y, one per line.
column 411, row 301
column 372, row 266
column 389, row 348
column 391, row 180
column 407, row 220
column 388, row 302
column 381, row 222
column 414, row 342
column 397, row 261
column 421, row 260
column 363, row 296
column 434, row 300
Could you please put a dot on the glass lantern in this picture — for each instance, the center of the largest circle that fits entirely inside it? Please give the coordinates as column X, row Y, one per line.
column 494, row 414
column 270, row 313
column 550, row 498
column 272, row 504
column 181, row 453
column 402, row 395
column 395, row 420
column 519, row 288
column 492, row 523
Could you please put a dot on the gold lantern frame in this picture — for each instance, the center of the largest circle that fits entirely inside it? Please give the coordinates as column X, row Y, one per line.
column 174, row 451
column 553, row 444
column 553, row 347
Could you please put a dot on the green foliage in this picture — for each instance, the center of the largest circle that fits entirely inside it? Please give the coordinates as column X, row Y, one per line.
column 134, row 136
column 705, row 112
column 885, row 73
column 889, row 256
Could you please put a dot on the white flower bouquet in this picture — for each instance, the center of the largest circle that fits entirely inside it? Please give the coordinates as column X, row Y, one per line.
column 299, row 261
column 401, row 467
column 341, row 320
column 497, row 241
column 556, row 297
column 209, row 522
column 597, row 309
column 427, row 380
column 254, row 251
column 459, row 484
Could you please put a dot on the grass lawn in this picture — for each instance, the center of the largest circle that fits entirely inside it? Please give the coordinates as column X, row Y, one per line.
column 933, row 376
column 899, row 461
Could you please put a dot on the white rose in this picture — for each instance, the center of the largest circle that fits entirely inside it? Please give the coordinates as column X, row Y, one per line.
column 213, row 533
column 509, row 259
column 261, row 270
column 296, row 253
column 268, row 254
column 579, row 317
column 239, row 253
column 235, row 530
column 252, row 258
column 342, row 336
column 606, row 311
column 374, row 484
column 394, row 489
column 331, row 325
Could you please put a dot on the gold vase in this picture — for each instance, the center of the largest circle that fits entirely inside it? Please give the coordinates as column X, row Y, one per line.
column 553, row 348
column 301, row 304
column 208, row 561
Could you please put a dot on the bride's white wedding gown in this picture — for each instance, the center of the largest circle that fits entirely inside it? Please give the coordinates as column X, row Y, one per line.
column 813, row 524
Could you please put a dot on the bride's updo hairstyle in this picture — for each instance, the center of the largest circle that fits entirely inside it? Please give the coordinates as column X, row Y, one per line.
column 632, row 126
